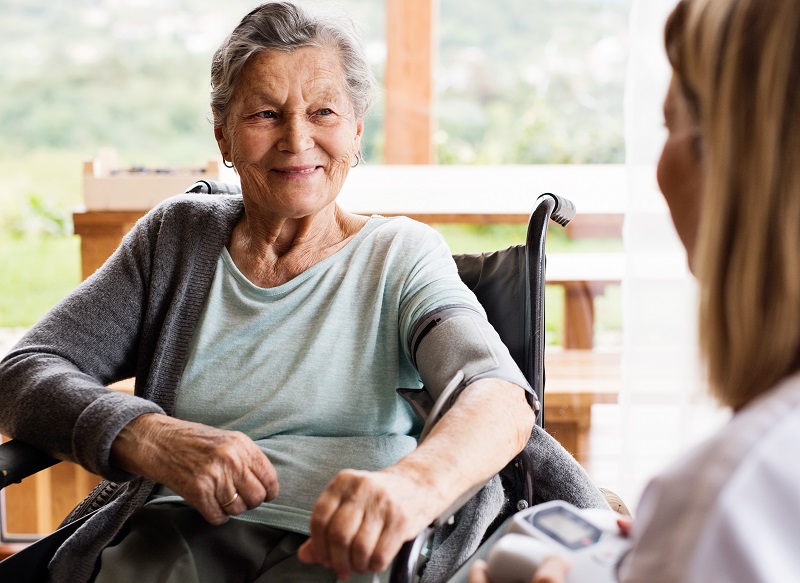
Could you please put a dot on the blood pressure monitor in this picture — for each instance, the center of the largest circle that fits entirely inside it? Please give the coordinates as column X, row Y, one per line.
column 590, row 539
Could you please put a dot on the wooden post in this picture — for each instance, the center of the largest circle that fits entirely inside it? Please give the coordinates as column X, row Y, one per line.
column 410, row 60
column 101, row 233
column 579, row 314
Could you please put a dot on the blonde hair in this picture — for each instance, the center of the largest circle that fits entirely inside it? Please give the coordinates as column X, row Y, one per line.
column 738, row 65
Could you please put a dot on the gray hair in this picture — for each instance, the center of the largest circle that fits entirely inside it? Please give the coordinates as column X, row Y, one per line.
column 285, row 26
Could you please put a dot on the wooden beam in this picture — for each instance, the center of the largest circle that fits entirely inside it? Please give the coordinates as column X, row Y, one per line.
column 411, row 50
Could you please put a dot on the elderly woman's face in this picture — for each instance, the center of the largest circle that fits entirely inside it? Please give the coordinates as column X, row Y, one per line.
column 291, row 131
column 679, row 168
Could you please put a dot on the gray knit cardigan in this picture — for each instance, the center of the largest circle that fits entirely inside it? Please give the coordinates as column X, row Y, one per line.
column 135, row 318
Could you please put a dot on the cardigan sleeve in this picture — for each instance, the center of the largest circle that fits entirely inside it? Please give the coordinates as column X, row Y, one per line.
column 53, row 382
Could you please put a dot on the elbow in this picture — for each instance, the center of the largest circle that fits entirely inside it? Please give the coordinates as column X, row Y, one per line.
column 511, row 410
column 520, row 416
column 525, row 420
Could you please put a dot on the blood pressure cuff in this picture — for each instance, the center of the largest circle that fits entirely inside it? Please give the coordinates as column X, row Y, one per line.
column 458, row 338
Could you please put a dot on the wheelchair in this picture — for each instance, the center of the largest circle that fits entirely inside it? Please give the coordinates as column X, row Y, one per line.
column 510, row 286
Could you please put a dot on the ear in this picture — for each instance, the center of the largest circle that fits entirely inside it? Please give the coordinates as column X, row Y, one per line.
column 221, row 134
column 222, row 142
column 359, row 133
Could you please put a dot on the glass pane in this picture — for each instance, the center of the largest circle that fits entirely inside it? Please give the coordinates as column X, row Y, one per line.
column 531, row 81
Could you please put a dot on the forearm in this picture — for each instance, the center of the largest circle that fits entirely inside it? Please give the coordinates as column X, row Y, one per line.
column 49, row 403
column 52, row 383
column 155, row 446
column 136, row 446
column 487, row 426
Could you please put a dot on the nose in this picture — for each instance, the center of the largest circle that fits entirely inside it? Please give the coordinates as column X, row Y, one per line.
column 297, row 134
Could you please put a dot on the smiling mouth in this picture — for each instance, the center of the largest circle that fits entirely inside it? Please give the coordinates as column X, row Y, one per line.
column 297, row 170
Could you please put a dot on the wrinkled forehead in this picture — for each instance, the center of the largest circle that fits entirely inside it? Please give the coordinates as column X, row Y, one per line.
column 314, row 71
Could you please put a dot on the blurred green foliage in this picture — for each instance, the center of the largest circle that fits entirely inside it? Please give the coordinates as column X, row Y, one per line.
column 518, row 81
column 532, row 81
column 37, row 216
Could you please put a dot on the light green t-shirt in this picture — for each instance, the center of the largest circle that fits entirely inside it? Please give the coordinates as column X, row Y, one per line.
column 309, row 369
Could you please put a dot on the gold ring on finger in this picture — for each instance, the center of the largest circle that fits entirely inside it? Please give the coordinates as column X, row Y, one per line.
column 231, row 501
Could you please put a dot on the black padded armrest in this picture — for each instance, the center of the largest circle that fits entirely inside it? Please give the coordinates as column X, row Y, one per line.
column 19, row 460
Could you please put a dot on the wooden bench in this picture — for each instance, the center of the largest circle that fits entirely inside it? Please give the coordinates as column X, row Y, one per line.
column 574, row 381
column 584, row 276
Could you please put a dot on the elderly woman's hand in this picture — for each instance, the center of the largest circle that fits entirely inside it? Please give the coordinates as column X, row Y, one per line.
column 219, row 472
column 361, row 520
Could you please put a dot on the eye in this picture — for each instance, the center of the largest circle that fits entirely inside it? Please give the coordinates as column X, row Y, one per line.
column 268, row 114
column 325, row 111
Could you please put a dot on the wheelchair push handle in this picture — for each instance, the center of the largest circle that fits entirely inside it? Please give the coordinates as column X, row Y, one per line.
column 563, row 211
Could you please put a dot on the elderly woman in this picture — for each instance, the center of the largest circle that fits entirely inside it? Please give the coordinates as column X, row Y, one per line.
column 730, row 173
column 267, row 334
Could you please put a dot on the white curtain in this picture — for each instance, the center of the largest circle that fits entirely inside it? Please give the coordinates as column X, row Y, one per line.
column 663, row 405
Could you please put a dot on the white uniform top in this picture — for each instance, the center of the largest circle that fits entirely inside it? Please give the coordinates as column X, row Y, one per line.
column 730, row 511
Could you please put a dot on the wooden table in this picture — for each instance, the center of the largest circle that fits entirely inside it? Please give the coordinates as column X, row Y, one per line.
column 574, row 381
column 101, row 233
column 584, row 276
column 430, row 193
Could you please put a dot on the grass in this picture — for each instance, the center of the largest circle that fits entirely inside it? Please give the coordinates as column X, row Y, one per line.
column 37, row 272
column 52, row 174
column 38, row 192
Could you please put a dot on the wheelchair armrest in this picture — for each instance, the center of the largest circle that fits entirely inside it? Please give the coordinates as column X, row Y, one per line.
column 19, row 460
column 405, row 563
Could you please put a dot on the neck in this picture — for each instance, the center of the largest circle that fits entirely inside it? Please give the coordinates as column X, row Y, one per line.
column 272, row 250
